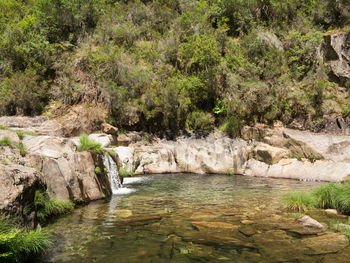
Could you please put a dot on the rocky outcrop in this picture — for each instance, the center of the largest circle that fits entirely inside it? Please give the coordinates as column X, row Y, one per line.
column 40, row 125
column 336, row 54
column 18, row 186
column 269, row 152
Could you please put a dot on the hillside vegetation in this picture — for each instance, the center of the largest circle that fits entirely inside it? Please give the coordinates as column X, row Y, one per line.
column 175, row 64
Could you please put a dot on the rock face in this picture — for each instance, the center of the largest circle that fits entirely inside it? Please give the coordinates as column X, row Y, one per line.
column 336, row 53
column 18, row 186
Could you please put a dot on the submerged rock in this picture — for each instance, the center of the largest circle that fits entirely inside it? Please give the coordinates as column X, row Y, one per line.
column 325, row 244
column 218, row 226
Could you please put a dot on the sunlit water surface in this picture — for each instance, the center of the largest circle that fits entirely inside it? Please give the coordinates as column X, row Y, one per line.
column 191, row 218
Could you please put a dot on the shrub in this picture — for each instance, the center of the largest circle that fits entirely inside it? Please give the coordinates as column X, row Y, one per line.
column 17, row 245
column 299, row 201
column 199, row 121
column 6, row 141
column 87, row 144
column 232, row 127
column 46, row 207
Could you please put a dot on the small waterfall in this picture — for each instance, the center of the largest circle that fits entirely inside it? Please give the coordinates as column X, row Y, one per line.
column 113, row 173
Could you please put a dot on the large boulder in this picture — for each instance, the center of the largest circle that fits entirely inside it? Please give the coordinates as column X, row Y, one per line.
column 269, row 154
column 73, row 178
column 49, row 146
column 18, row 186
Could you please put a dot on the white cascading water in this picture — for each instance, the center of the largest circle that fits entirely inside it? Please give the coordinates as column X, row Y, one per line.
column 113, row 173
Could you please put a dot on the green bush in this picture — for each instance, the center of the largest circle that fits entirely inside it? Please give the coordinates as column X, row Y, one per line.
column 199, row 121
column 17, row 245
column 46, row 207
column 87, row 144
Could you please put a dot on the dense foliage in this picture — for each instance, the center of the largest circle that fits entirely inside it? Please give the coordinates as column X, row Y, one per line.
column 175, row 64
column 17, row 245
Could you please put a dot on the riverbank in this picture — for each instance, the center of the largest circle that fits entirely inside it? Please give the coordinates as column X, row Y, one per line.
column 51, row 162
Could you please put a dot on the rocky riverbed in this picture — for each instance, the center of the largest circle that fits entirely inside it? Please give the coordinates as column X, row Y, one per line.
column 53, row 163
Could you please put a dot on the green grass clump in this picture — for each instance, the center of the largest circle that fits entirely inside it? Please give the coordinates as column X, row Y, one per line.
column 123, row 172
column 17, row 245
column 6, row 141
column 22, row 149
column 299, row 201
column 20, row 135
column 2, row 127
column 326, row 195
column 46, row 207
column 87, row 144
column 335, row 196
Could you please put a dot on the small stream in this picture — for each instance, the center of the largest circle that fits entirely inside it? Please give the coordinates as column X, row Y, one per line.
column 193, row 218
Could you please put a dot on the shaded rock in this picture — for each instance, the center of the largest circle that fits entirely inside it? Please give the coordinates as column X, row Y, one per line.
column 325, row 244
column 309, row 222
column 18, row 186
column 336, row 54
column 269, row 154
column 74, row 178
column 109, row 129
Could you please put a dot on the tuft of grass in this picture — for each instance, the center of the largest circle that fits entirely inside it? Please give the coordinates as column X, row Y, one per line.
column 331, row 195
column 87, row 144
column 326, row 195
column 46, row 207
column 22, row 149
column 2, row 127
column 17, row 245
column 123, row 172
column 299, row 201
column 6, row 141
column 20, row 135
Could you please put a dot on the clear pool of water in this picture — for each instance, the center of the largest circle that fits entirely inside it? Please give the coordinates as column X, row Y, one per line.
column 192, row 218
